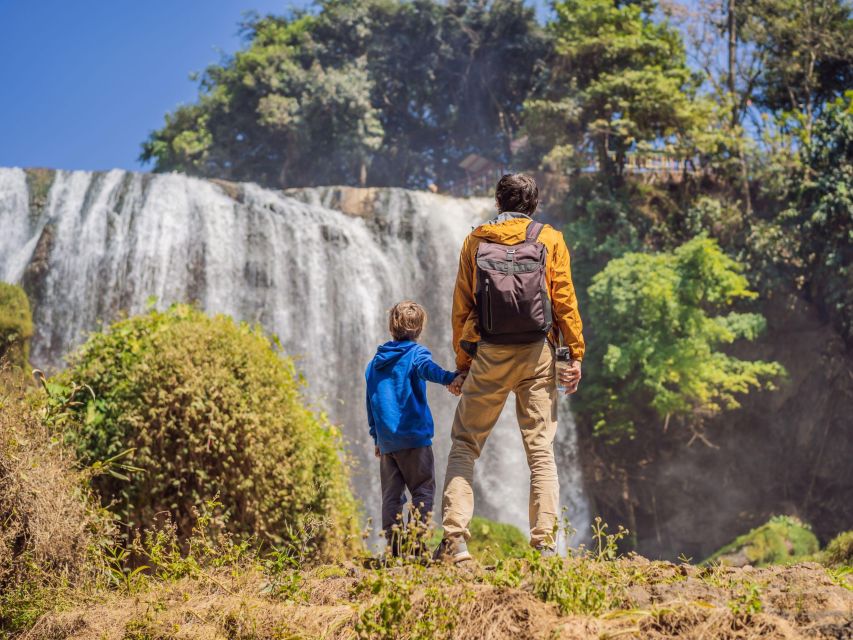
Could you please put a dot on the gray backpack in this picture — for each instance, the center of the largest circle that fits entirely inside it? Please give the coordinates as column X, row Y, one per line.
column 513, row 306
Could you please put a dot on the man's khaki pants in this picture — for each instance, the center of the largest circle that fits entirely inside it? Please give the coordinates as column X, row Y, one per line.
column 529, row 371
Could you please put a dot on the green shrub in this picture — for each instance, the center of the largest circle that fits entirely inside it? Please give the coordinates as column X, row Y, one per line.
column 839, row 551
column 205, row 406
column 16, row 325
column 492, row 541
column 781, row 540
column 495, row 540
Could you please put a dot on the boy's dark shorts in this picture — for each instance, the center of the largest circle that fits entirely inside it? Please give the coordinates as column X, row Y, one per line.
column 412, row 469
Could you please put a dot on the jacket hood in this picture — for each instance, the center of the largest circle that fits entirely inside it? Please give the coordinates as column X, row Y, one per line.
column 389, row 353
column 512, row 231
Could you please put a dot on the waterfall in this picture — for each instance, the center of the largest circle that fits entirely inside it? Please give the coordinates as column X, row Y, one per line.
column 318, row 267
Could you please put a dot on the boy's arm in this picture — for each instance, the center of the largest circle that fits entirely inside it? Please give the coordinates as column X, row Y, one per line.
column 370, row 420
column 429, row 370
column 565, row 302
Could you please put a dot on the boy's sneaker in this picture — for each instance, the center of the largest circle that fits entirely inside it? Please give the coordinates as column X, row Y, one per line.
column 451, row 551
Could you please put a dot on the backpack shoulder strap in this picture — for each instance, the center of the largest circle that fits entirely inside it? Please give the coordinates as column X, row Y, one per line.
column 533, row 231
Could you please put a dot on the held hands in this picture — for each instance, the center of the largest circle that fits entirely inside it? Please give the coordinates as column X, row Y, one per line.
column 455, row 387
column 570, row 377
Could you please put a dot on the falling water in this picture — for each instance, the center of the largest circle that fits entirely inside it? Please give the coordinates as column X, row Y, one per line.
column 97, row 244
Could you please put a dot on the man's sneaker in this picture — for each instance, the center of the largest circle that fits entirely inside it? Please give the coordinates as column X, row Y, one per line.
column 451, row 551
column 547, row 552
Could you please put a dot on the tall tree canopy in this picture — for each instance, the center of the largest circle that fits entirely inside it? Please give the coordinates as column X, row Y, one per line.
column 377, row 92
column 618, row 81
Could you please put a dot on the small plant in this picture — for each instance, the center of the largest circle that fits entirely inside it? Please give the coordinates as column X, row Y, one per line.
column 606, row 544
column 747, row 600
column 384, row 619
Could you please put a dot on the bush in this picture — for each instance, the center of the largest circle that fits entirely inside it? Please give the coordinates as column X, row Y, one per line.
column 16, row 325
column 201, row 406
column 495, row 540
column 781, row 540
column 492, row 541
column 51, row 530
column 839, row 551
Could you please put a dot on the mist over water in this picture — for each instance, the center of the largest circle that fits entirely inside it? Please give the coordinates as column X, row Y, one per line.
column 320, row 279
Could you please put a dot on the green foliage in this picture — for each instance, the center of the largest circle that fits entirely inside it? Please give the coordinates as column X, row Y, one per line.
column 805, row 49
column 819, row 222
column 492, row 541
column 416, row 604
column 619, row 82
column 652, row 316
column 204, row 406
column 781, row 540
column 16, row 326
column 839, row 551
column 360, row 92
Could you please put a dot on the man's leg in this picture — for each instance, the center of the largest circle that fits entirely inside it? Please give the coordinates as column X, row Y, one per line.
column 484, row 394
column 536, row 407
column 393, row 498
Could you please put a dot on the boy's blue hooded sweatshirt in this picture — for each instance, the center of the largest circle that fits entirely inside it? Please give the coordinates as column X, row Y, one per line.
column 397, row 409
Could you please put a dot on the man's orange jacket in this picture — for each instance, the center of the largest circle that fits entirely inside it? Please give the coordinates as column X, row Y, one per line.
column 558, row 278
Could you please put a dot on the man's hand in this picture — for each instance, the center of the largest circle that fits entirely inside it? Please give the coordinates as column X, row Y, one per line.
column 455, row 387
column 570, row 377
column 376, row 451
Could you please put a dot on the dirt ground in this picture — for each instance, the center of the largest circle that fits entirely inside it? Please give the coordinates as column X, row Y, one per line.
column 656, row 600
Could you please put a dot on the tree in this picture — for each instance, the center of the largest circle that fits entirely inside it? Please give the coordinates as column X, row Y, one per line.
column 807, row 53
column 377, row 92
column 820, row 216
column 619, row 82
column 659, row 359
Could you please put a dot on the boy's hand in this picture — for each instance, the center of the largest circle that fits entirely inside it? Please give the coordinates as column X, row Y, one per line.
column 376, row 451
column 455, row 387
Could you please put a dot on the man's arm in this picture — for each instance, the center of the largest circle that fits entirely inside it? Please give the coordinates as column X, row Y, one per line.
column 565, row 302
column 463, row 304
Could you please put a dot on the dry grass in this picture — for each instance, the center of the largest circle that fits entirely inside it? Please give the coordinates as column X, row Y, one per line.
column 658, row 600
column 50, row 524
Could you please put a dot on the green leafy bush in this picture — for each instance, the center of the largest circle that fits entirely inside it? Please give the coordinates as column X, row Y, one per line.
column 652, row 314
column 839, row 551
column 16, row 325
column 492, row 541
column 781, row 540
column 205, row 406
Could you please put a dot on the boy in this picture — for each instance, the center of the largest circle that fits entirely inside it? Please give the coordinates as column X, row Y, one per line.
column 400, row 420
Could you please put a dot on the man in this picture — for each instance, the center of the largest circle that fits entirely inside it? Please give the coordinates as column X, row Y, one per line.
column 514, row 301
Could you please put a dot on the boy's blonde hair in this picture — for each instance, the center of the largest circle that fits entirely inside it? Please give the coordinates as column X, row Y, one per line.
column 406, row 320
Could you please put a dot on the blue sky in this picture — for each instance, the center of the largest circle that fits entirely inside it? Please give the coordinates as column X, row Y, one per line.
column 83, row 82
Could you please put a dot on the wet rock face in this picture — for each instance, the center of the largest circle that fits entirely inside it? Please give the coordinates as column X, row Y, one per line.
column 783, row 452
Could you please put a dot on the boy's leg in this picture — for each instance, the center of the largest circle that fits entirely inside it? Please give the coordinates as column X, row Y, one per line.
column 493, row 374
column 418, row 469
column 393, row 496
column 536, row 407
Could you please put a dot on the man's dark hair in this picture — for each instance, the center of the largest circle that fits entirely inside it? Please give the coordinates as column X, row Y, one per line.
column 517, row 192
